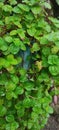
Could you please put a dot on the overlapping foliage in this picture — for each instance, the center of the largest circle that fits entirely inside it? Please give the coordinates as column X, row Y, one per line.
column 24, row 93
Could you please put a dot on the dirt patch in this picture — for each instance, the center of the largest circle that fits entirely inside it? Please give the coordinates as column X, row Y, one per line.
column 53, row 123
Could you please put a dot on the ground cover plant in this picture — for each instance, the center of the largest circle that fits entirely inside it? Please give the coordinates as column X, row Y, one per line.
column 29, row 64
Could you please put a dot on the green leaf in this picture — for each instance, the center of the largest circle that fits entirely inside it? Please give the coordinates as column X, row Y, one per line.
column 3, row 44
column 19, row 90
column 7, row 8
column 3, row 79
column 29, row 16
column 1, row 22
column 53, row 60
column 27, row 103
column 20, row 112
column 9, row 95
column 32, row 2
column 35, row 47
column 19, row 106
column 54, row 49
column 24, row 7
column 18, row 24
column 13, row 49
column 12, row 60
column 14, row 78
column 8, row 126
column 46, row 51
column 47, row 28
column 2, row 111
column 53, row 36
column 44, row 40
column 29, row 86
column 22, row 71
column 47, row 5
column 19, row 44
column 2, row 62
column 10, row 86
column 17, row 10
column 17, row 41
column 49, row 109
column 30, row 124
column 57, row 2
column 13, row 2
column 44, row 61
column 13, row 32
column 43, row 77
column 21, row 33
column 54, row 20
column 14, row 125
column 31, row 31
column 57, row 43
column 7, row 64
column 7, row 20
column 36, row 10
column 1, row 102
column 54, row 70
column 34, row 115
column 10, row 118
column 8, row 39
column 23, row 78
column 2, row 0
column 19, row 60
column 23, row 47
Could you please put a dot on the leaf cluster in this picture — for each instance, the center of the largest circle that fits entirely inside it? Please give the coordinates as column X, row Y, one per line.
column 24, row 94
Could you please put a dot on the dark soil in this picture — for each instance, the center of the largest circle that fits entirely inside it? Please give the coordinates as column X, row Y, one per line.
column 53, row 123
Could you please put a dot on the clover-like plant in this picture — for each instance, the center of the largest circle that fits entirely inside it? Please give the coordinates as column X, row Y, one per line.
column 29, row 62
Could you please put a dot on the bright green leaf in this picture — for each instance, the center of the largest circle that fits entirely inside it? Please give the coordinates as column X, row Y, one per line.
column 2, row 111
